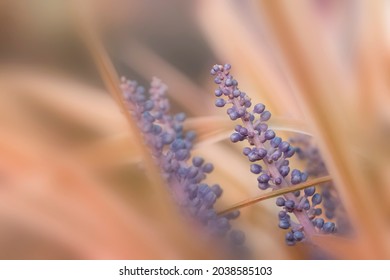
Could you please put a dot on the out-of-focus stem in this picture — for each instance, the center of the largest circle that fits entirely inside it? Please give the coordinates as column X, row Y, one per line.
column 319, row 83
column 111, row 81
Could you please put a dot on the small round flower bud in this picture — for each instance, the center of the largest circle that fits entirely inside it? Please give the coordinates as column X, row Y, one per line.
column 284, row 170
column 192, row 172
column 182, row 171
column 265, row 116
column 280, row 201
column 310, row 191
column 182, row 154
column 263, row 178
column 283, row 215
column 316, row 199
column 298, row 236
column 218, row 92
column 262, row 127
column 252, row 156
column 197, row 161
column 289, row 204
column 243, row 131
column 290, row 152
column 220, row 102
column 284, row 224
column 255, row 168
column 290, row 238
column 319, row 223
column 276, row 155
column 262, row 153
column 295, row 172
column 278, row 180
column 269, row 134
column 276, row 142
column 228, row 82
column 263, row 186
column 246, row 151
column 233, row 115
column 329, row 227
column 236, row 93
column 259, row 108
column 247, row 104
column 284, row 146
column 318, row 212
column 178, row 144
column 217, row 190
column 208, row 168
column 235, row 137
column 295, row 180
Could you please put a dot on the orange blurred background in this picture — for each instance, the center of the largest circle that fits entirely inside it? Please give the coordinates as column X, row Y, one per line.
column 72, row 180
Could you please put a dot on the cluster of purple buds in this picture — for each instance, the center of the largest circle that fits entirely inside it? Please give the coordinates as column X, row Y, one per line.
column 315, row 167
column 171, row 148
column 269, row 156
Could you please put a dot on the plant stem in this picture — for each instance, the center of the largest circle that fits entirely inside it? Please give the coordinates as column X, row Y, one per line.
column 250, row 201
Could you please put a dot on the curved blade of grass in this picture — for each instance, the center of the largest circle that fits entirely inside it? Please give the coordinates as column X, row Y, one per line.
column 66, row 98
column 109, row 76
column 254, row 60
column 320, row 81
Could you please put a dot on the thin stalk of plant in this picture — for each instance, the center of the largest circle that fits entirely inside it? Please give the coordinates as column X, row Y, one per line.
column 272, row 194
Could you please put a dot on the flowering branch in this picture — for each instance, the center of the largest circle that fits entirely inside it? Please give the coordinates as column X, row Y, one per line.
column 171, row 148
column 269, row 156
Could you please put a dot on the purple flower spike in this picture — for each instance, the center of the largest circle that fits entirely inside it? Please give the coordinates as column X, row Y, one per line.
column 268, row 154
column 171, row 148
